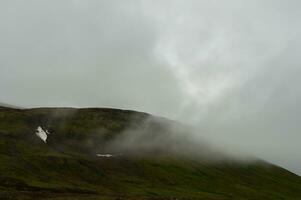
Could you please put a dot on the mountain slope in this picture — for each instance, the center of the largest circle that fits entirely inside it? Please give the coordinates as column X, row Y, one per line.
column 119, row 154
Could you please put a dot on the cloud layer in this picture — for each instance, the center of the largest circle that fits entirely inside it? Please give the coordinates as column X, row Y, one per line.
column 230, row 68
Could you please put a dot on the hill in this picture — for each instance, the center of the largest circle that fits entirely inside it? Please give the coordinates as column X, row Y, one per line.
column 99, row 153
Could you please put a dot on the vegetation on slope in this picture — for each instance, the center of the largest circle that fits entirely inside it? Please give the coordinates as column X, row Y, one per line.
column 66, row 167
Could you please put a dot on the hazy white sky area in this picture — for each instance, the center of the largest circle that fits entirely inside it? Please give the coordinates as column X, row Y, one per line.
column 230, row 67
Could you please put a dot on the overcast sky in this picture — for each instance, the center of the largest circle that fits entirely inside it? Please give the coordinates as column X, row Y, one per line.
column 230, row 67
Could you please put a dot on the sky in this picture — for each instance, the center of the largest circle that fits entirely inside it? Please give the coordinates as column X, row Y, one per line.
column 230, row 68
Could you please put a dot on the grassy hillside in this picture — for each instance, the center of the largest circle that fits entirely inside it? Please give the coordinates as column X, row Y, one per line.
column 67, row 167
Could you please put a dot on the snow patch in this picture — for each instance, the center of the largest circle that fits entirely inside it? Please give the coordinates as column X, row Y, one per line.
column 107, row 155
column 104, row 155
column 42, row 134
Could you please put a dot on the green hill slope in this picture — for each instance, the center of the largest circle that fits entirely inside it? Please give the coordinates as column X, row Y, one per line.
column 146, row 161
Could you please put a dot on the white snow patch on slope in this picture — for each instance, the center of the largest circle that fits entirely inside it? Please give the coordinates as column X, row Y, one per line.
column 42, row 134
column 108, row 155
column 104, row 155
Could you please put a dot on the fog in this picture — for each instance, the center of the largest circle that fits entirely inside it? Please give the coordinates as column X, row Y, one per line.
column 155, row 136
column 230, row 68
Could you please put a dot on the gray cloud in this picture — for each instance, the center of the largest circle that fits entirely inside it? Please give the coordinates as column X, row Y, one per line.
column 230, row 68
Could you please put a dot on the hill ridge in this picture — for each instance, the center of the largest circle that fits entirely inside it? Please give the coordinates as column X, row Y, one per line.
column 67, row 166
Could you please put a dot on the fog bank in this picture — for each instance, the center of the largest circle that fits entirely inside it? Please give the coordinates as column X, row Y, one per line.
column 230, row 68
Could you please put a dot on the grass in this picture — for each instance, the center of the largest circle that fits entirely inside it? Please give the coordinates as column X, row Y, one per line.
column 66, row 168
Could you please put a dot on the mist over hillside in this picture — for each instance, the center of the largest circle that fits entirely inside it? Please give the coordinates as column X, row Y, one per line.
column 231, row 68
column 150, row 100
column 4, row 105
column 101, row 153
